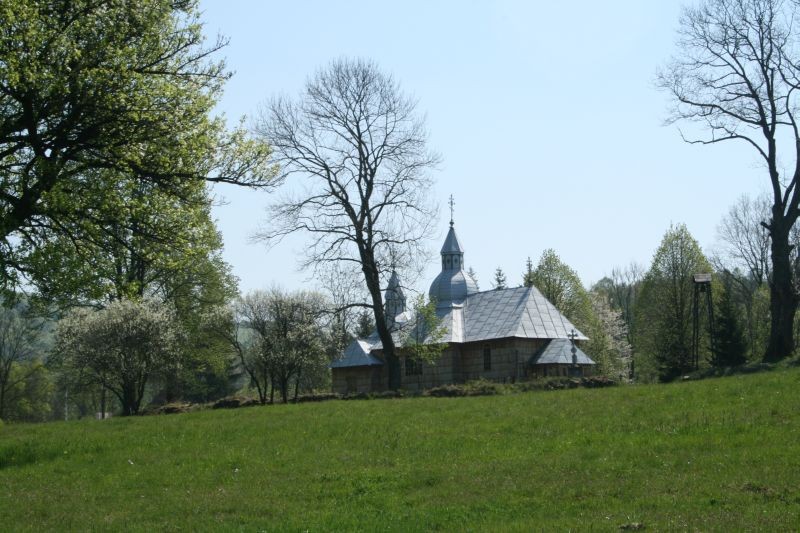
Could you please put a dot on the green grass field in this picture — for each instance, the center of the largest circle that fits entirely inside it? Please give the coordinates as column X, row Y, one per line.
column 720, row 454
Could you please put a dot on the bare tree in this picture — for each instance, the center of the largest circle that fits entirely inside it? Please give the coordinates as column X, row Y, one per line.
column 360, row 145
column 736, row 75
column 744, row 239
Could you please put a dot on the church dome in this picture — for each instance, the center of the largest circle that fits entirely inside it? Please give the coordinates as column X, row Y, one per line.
column 452, row 286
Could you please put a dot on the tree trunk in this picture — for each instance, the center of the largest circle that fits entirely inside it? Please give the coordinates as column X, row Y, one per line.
column 272, row 390
column 284, row 382
column 129, row 406
column 372, row 279
column 783, row 298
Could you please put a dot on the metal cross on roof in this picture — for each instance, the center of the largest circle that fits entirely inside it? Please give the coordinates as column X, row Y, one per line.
column 574, row 350
column 452, row 208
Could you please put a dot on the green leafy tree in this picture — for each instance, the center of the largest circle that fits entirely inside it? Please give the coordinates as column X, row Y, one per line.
column 105, row 96
column 121, row 348
column 422, row 335
column 663, row 340
column 157, row 247
column 560, row 284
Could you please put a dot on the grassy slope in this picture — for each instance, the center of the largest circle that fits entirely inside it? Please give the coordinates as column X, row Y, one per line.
column 720, row 454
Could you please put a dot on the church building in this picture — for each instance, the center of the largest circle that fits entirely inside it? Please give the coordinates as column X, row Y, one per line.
column 504, row 335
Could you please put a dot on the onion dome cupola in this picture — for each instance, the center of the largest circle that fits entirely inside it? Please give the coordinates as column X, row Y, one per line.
column 395, row 300
column 452, row 285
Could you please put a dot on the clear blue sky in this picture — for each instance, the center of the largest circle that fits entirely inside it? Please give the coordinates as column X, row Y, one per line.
column 545, row 114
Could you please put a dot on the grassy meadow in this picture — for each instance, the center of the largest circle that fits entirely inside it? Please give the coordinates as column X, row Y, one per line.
column 719, row 454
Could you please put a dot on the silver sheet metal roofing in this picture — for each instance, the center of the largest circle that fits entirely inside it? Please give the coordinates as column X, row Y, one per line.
column 559, row 352
column 357, row 354
column 521, row 312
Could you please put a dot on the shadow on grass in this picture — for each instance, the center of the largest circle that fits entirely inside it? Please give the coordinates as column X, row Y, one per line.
column 16, row 454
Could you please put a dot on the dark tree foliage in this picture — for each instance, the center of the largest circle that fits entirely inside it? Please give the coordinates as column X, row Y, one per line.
column 730, row 341
column 499, row 279
column 527, row 277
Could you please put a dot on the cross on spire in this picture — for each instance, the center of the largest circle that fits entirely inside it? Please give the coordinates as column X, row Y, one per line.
column 452, row 208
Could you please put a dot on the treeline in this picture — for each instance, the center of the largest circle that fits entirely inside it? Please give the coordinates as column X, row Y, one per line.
column 641, row 320
column 131, row 353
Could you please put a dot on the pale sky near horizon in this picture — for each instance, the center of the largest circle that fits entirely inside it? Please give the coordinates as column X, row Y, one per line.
column 546, row 116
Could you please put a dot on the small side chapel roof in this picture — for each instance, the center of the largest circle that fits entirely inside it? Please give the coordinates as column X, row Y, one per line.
column 357, row 354
column 559, row 352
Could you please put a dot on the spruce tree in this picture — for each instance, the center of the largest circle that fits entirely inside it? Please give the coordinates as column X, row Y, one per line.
column 730, row 343
column 499, row 279
column 474, row 275
column 366, row 324
column 527, row 277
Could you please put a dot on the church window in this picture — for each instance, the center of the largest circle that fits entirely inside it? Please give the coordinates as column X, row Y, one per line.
column 448, row 262
column 487, row 358
column 455, row 262
column 413, row 367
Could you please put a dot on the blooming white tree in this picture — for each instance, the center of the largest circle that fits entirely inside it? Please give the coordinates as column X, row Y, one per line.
column 121, row 347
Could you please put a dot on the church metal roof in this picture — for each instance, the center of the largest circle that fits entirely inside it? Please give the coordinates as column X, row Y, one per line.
column 521, row 312
column 559, row 352
column 357, row 354
column 451, row 244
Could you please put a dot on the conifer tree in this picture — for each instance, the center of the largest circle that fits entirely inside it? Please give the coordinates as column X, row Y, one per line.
column 499, row 279
column 527, row 277
column 474, row 275
column 366, row 324
column 730, row 342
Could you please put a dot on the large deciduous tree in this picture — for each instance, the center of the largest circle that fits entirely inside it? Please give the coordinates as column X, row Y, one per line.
column 737, row 73
column 663, row 339
column 97, row 96
column 361, row 147
column 559, row 283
